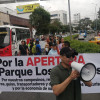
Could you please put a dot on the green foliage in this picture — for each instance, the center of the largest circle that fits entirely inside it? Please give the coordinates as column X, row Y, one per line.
column 73, row 37
column 83, row 24
column 52, row 28
column 40, row 19
column 83, row 47
column 55, row 26
column 96, row 22
column 65, row 28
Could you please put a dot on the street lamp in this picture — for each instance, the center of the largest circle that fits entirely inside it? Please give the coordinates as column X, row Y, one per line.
column 70, row 18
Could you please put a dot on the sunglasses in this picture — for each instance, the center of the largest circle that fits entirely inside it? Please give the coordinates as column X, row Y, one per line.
column 70, row 55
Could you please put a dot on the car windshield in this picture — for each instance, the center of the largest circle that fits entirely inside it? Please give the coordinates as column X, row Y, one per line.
column 98, row 38
column 4, row 37
column 82, row 33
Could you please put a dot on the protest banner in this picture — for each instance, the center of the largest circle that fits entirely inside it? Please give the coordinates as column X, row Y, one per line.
column 32, row 73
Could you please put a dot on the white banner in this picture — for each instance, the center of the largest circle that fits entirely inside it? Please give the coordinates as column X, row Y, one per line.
column 26, row 73
column 32, row 73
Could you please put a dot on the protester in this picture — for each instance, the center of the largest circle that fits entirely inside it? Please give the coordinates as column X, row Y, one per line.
column 23, row 48
column 66, row 44
column 30, row 45
column 47, row 47
column 60, row 43
column 38, row 47
column 65, row 82
column 51, row 40
column 53, row 50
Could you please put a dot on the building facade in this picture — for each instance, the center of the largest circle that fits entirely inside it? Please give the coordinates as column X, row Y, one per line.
column 17, row 21
column 76, row 20
column 4, row 19
column 8, row 16
column 60, row 15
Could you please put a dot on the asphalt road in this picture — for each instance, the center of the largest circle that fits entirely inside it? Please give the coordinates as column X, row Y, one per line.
column 89, row 36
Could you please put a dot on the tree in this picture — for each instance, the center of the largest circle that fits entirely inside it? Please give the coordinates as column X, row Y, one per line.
column 84, row 23
column 40, row 19
column 96, row 24
column 55, row 26
column 65, row 28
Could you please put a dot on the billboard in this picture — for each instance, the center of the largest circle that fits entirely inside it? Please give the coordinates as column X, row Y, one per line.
column 26, row 8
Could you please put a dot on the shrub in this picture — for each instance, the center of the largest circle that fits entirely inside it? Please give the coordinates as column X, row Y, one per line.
column 83, row 47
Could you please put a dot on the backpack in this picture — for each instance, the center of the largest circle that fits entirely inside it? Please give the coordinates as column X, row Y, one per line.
column 34, row 49
column 38, row 49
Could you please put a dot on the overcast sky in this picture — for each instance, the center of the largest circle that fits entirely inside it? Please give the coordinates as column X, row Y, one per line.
column 86, row 8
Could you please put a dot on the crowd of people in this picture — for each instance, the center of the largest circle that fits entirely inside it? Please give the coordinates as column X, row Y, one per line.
column 53, row 45
column 33, row 48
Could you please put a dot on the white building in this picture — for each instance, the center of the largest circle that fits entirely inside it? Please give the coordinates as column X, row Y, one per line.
column 76, row 20
column 60, row 15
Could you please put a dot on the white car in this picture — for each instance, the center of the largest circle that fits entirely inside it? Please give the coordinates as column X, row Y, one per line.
column 81, row 37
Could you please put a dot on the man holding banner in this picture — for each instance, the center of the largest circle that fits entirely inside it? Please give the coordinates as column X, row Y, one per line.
column 65, row 82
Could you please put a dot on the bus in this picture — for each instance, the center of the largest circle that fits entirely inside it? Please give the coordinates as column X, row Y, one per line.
column 10, row 39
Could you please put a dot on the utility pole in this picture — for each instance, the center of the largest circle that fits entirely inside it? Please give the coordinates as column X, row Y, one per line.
column 96, row 20
column 70, row 19
column 95, row 26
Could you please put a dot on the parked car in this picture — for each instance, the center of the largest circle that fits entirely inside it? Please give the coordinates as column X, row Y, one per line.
column 81, row 37
column 95, row 40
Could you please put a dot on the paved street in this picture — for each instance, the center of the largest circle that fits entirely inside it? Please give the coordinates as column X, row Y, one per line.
column 89, row 36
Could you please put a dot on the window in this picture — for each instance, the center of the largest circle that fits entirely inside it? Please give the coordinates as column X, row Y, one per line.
column 54, row 15
column 4, row 37
column 22, row 34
